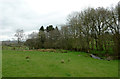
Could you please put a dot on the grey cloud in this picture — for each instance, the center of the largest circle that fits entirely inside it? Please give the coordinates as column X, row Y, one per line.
column 16, row 14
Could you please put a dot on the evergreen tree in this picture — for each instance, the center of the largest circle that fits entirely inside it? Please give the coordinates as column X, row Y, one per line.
column 42, row 28
column 41, row 37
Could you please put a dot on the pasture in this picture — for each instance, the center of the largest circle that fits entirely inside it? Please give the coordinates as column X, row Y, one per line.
column 48, row 64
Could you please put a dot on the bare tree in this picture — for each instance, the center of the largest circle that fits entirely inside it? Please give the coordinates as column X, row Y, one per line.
column 19, row 34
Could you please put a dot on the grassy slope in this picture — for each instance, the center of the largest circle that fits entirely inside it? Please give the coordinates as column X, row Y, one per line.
column 47, row 64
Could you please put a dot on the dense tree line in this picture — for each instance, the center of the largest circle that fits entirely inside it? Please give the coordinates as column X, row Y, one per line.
column 91, row 29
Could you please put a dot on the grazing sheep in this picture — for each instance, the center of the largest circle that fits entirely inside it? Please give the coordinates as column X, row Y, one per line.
column 79, row 55
column 62, row 61
column 27, row 58
column 109, row 58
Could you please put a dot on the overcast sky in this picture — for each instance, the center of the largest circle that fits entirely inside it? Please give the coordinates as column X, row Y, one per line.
column 29, row 15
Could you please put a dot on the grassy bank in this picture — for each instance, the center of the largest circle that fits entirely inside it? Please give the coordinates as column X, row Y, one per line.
column 48, row 64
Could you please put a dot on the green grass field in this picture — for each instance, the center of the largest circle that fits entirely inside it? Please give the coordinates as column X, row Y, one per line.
column 48, row 64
